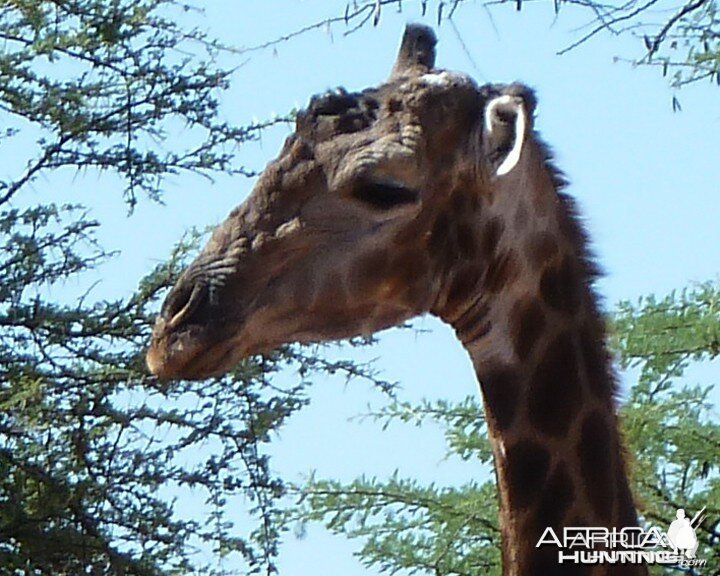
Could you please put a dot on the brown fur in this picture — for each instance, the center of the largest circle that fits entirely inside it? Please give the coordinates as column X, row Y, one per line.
column 386, row 204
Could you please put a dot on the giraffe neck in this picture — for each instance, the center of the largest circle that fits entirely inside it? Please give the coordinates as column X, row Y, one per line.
column 558, row 455
column 532, row 327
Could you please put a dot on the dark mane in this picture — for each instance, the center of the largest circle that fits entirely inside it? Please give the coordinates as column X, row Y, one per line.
column 574, row 229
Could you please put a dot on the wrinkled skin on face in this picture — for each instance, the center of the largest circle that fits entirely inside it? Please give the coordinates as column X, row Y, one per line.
column 339, row 236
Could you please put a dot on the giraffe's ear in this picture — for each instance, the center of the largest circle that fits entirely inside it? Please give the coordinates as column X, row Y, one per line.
column 506, row 121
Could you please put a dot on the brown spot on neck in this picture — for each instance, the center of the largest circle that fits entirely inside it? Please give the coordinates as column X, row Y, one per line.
column 527, row 463
column 527, row 325
column 561, row 286
column 555, row 391
column 501, row 392
column 595, row 452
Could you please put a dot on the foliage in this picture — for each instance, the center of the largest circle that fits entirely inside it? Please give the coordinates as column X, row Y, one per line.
column 94, row 454
column 671, row 425
column 405, row 525
column 104, row 470
column 102, row 83
column 668, row 425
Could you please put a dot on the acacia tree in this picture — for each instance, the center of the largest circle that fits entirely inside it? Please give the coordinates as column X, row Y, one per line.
column 93, row 452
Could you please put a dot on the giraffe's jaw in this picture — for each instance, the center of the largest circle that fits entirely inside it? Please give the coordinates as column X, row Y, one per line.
column 197, row 351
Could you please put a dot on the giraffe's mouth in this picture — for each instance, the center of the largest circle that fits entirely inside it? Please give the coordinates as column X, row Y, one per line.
column 188, row 353
column 191, row 339
column 185, row 345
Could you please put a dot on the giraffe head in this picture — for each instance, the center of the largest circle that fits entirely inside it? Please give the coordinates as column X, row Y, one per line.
column 356, row 225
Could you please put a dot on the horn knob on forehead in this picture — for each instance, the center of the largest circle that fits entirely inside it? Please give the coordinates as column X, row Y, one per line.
column 417, row 49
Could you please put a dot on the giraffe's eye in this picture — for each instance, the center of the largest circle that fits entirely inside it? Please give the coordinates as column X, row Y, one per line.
column 384, row 195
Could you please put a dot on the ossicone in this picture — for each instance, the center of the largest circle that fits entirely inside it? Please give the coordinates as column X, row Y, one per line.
column 417, row 50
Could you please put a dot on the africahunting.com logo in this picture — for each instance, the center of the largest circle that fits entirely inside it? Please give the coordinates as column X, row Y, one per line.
column 631, row 545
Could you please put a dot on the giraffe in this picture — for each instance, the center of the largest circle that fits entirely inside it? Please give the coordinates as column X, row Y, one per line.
column 429, row 194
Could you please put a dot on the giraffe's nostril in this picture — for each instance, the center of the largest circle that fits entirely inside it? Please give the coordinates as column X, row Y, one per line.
column 182, row 303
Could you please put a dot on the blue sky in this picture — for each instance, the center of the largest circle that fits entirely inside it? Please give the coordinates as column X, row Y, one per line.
column 647, row 180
